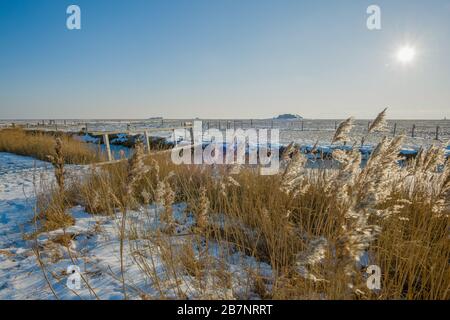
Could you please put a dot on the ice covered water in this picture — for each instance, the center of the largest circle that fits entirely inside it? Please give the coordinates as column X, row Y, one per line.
column 306, row 131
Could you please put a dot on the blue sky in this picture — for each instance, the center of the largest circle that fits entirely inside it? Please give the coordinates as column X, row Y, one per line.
column 222, row 59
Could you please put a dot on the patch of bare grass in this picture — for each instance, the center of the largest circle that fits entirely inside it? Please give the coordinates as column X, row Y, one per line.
column 40, row 145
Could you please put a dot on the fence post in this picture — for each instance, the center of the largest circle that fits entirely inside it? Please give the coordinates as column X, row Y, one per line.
column 107, row 146
column 437, row 132
column 191, row 131
column 303, row 125
column 413, row 131
column 395, row 129
column 335, row 125
column 147, row 141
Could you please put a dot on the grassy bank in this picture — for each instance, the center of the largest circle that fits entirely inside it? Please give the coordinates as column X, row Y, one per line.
column 312, row 226
column 316, row 229
column 40, row 145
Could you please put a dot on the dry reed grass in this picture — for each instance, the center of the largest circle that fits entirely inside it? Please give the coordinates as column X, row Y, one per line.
column 40, row 145
column 312, row 237
column 313, row 227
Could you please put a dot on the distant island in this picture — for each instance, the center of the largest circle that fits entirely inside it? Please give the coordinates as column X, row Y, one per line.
column 288, row 116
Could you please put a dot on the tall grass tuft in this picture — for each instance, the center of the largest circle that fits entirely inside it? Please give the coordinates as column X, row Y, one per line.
column 39, row 145
column 58, row 163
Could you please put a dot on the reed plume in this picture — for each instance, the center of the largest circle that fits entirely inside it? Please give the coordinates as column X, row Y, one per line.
column 313, row 255
column 294, row 174
column 204, row 207
column 341, row 134
column 135, row 170
column 165, row 197
column 379, row 124
column 58, row 163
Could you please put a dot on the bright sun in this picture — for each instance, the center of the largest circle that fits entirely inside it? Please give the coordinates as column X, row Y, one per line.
column 406, row 54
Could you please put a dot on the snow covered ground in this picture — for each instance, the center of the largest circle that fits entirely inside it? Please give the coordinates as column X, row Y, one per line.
column 92, row 244
column 93, row 247
column 20, row 276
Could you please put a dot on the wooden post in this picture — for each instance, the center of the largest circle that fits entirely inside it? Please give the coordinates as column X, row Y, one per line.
column 191, row 131
column 87, row 128
column 303, row 126
column 147, row 141
column 335, row 125
column 437, row 132
column 413, row 131
column 395, row 129
column 107, row 146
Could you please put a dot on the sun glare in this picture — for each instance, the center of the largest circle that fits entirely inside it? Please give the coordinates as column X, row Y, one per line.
column 406, row 55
